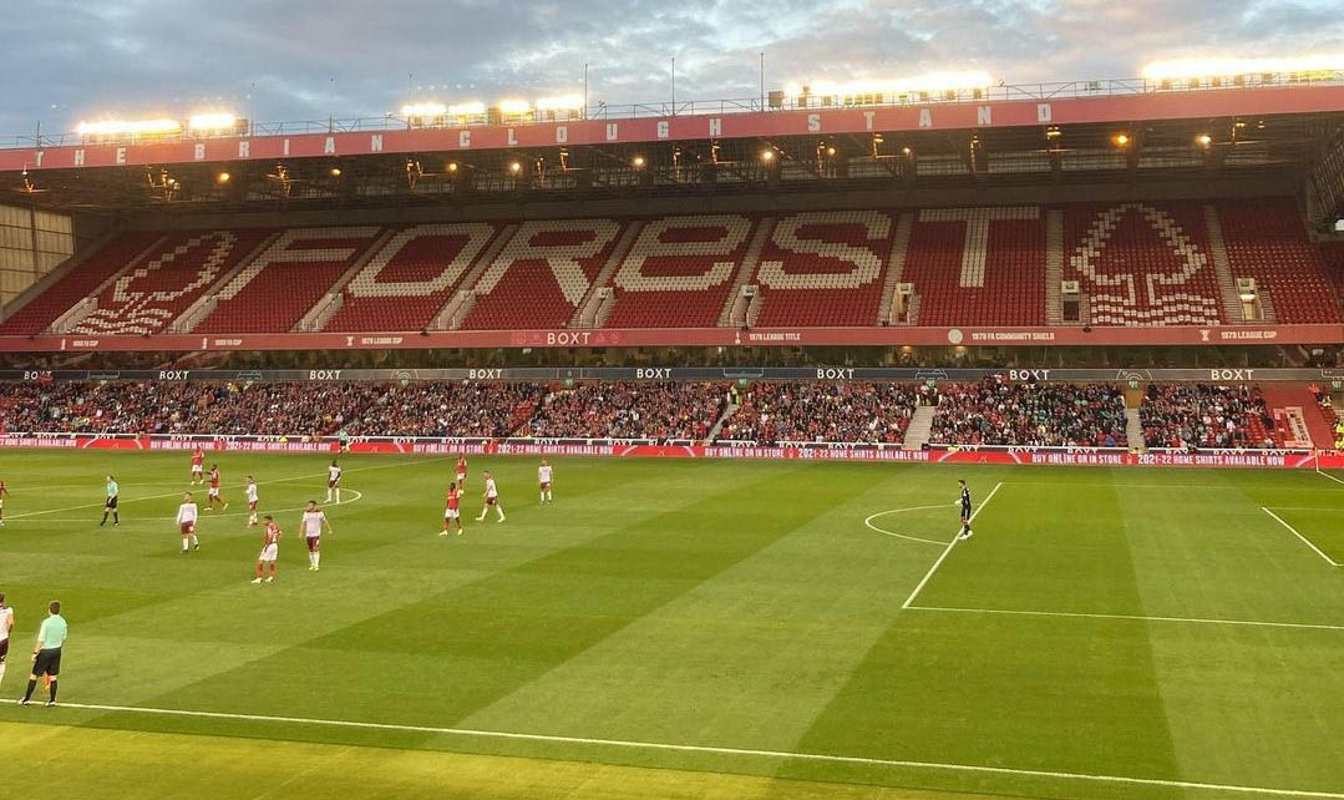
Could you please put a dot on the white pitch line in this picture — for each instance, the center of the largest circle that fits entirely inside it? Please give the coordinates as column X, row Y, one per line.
column 949, row 547
column 629, row 744
column 211, row 515
column 1129, row 617
column 1325, row 474
column 869, row 522
column 179, row 493
column 1304, row 539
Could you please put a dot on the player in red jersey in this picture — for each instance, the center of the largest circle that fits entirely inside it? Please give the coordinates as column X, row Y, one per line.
column 462, row 471
column 197, row 465
column 452, row 510
column 3, row 494
column 212, row 496
column 270, row 550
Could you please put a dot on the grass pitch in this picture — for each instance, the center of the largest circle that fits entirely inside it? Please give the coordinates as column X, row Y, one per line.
column 683, row 629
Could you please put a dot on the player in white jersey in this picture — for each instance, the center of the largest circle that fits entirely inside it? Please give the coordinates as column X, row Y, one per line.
column 251, row 502
column 314, row 520
column 491, row 499
column 6, row 628
column 334, row 482
column 187, row 514
column 544, row 481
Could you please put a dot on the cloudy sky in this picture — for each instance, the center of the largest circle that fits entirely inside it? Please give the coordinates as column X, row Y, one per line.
column 65, row 60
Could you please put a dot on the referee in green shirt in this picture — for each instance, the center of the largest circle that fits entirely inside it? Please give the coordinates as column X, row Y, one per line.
column 110, row 507
column 47, row 652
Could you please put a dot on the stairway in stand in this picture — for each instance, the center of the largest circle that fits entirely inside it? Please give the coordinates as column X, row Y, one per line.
column 921, row 425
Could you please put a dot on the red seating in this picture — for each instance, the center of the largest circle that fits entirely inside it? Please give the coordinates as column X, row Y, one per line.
column 679, row 271
column 1142, row 265
column 273, row 292
column 168, row 280
column 1266, row 240
column 44, row 309
column 411, row 277
column 542, row 275
column 1139, row 265
column 978, row 266
column 824, row 268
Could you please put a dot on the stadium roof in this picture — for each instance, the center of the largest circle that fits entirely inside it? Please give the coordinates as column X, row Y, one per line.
column 1078, row 131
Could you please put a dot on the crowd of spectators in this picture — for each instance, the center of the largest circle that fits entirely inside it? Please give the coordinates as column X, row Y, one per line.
column 868, row 413
column 659, row 411
column 997, row 411
column 474, row 410
column 994, row 412
column 1203, row 415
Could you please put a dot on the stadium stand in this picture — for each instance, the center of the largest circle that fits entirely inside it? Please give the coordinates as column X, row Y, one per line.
column 274, row 290
column 542, row 274
column 1204, row 415
column 1266, row 240
column 824, row 268
column 679, row 271
column 998, row 411
column 660, row 411
column 978, row 266
column 167, row 280
column 1137, row 264
column 869, row 413
column 79, row 283
column 1141, row 264
column 446, row 409
column 405, row 283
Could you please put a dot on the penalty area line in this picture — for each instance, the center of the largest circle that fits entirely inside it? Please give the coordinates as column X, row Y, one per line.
column 1304, row 539
column 948, row 549
column 627, row 744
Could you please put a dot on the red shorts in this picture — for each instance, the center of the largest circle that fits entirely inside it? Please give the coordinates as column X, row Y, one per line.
column 314, row 543
column 545, row 486
column 490, row 501
column 187, row 527
column 333, row 484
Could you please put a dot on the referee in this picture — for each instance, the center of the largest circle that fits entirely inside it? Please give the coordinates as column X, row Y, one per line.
column 110, row 507
column 47, row 652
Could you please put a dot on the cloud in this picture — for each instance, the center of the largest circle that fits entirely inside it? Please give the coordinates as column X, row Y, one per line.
column 307, row 59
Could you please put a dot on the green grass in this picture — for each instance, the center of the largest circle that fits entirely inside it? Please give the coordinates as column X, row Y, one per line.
column 718, row 607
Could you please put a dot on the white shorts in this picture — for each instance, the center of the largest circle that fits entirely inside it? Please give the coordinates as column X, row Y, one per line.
column 269, row 553
column 451, row 513
column 197, row 468
column 213, row 492
column 461, row 476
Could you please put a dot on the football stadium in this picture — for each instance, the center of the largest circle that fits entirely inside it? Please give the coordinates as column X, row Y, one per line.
column 912, row 438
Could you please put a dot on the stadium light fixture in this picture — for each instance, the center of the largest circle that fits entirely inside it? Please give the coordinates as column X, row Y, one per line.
column 1120, row 140
column 125, row 127
column 514, row 107
column 891, row 88
column 452, row 166
column 335, row 172
column 1179, row 68
column 1204, row 140
column 473, row 108
column 905, row 151
column 637, row 162
column 424, row 110
column 1053, row 132
column 223, row 178
column 767, row 155
column 211, row 121
column 830, row 151
column 515, row 167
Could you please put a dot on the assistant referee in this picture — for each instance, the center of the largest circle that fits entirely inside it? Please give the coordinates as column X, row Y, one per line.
column 47, row 652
